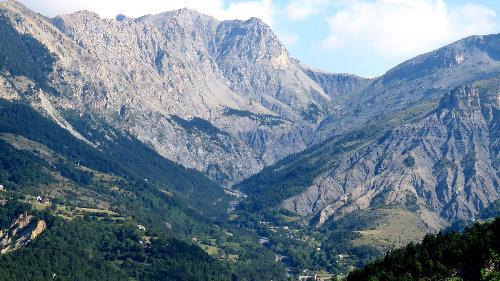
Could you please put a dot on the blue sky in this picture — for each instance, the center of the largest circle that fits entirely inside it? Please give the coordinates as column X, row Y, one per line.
column 364, row 37
column 369, row 37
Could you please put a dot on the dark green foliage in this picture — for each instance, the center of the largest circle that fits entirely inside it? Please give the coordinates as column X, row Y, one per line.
column 492, row 211
column 11, row 211
column 295, row 173
column 409, row 161
column 295, row 245
column 19, row 169
column 442, row 164
column 469, row 165
column 71, row 172
column 458, row 226
column 269, row 188
column 125, row 156
column 198, row 124
column 359, row 220
column 264, row 119
column 467, row 256
column 411, row 202
column 380, row 199
column 87, row 249
column 147, row 204
column 23, row 55
column 312, row 113
column 139, row 199
column 340, row 233
column 138, row 160
column 22, row 120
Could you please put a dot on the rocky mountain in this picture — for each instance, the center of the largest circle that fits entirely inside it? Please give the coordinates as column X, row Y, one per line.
column 446, row 163
column 420, row 79
column 132, row 121
column 224, row 97
column 441, row 160
column 423, row 136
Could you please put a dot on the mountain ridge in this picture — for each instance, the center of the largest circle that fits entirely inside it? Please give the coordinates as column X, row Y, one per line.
column 201, row 83
column 172, row 116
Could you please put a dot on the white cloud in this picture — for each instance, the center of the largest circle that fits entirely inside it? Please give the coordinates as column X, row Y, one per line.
column 289, row 39
column 403, row 28
column 262, row 9
column 302, row 9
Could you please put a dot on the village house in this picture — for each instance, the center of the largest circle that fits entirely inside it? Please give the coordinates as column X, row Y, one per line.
column 43, row 199
column 316, row 277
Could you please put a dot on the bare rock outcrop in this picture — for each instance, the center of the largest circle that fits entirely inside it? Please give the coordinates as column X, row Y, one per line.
column 22, row 231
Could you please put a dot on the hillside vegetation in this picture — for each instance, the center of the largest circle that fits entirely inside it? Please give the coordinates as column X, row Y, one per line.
column 471, row 255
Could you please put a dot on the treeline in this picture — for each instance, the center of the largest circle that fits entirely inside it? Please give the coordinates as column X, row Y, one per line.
column 19, row 168
column 471, row 255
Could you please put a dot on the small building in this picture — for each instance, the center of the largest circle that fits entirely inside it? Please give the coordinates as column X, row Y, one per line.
column 2, row 188
column 141, row 227
column 43, row 200
column 316, row 277
column 323, row 277
column 168, row 225
column 263, row 240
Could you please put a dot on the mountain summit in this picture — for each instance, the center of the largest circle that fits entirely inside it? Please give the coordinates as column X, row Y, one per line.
column 224, row 97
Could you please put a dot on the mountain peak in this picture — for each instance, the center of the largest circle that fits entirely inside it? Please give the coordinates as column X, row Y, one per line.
column 257, row 21
column 15, row 6
column 184, row 15
column 86, row 14
column 467, row 52
column 11, row 3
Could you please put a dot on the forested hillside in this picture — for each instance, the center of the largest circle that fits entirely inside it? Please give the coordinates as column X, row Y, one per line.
column 472, row 255
column 92, row 200
column 89, row 248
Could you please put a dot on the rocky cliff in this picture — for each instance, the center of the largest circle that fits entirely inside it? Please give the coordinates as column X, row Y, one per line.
column 23, row 230
column 444, row 163
column 224, row 97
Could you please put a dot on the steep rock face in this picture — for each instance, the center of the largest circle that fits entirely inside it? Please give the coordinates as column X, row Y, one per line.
column 222, row 97
column 338, row 85
column 255, row 62
column 445, row 164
